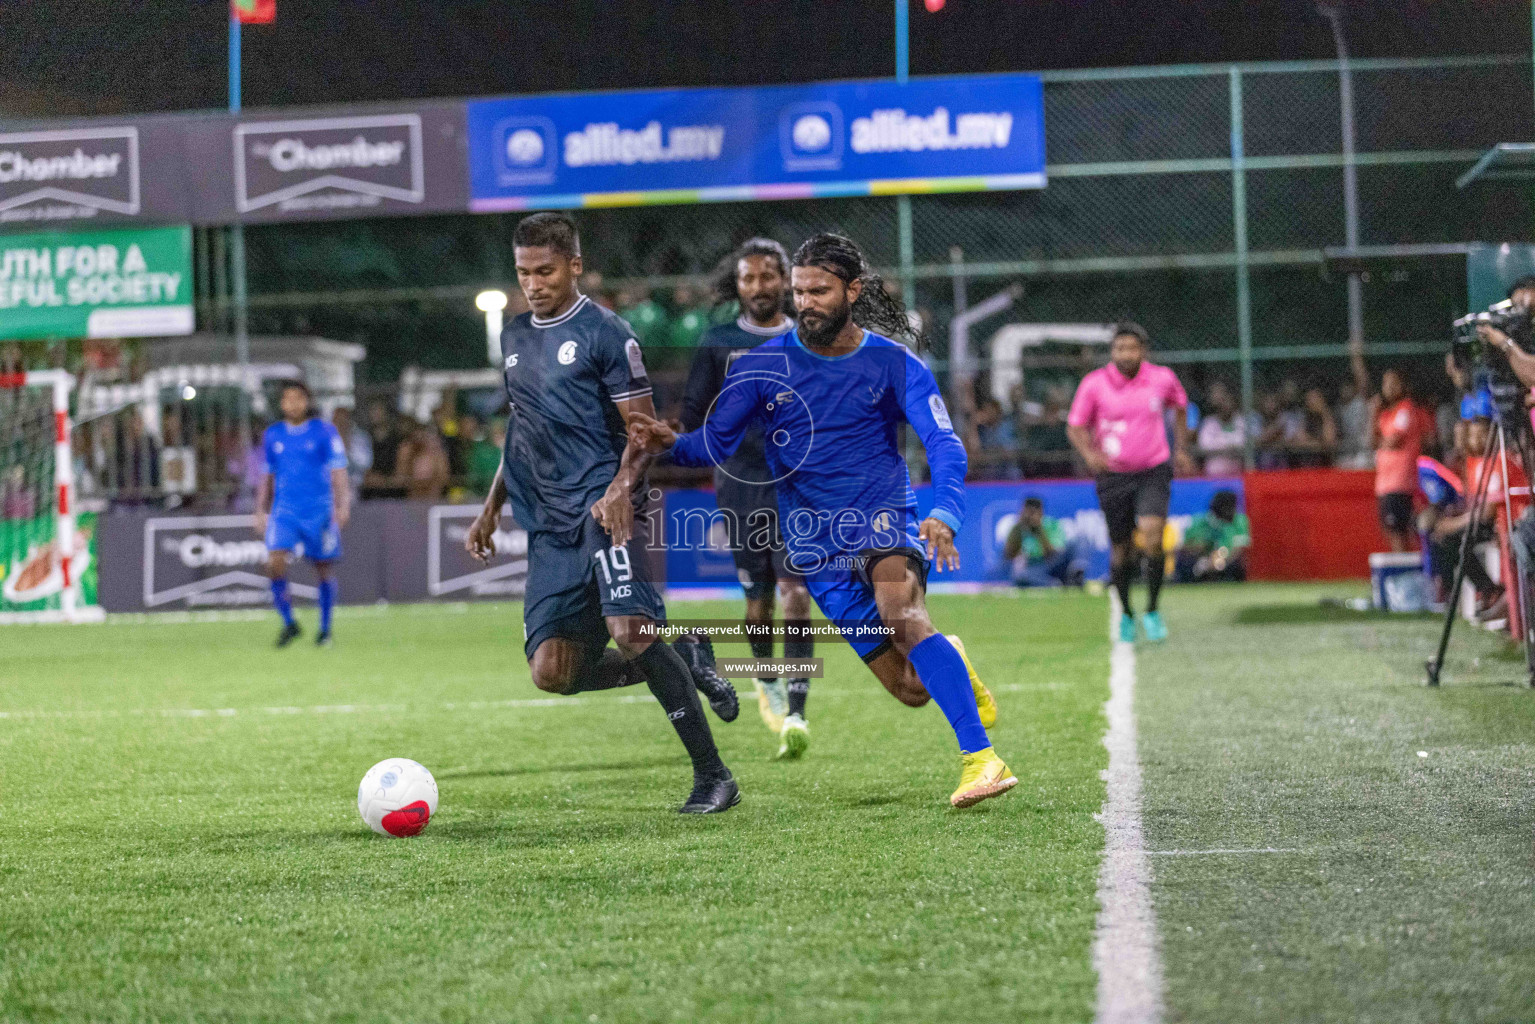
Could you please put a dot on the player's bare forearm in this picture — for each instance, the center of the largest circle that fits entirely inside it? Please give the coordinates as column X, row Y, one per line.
column 497, row 496
column 264, row 495
column 341, row 495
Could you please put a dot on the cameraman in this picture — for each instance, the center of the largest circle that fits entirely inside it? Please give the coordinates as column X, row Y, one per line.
column 1522, row 294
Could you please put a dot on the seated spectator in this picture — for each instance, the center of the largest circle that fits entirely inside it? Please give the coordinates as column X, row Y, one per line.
column 993, row 442
column 359, row 447
column 1443, row 525
column 1041, row 555
column 485, row 457
column 1047, row 449
column 387, row 435
column 1222, row 438
column 422, row 464
column 1312, row 445
column 1270, row 446
column 1215, row 545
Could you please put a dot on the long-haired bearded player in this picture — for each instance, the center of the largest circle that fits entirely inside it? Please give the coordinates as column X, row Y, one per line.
column 756, row 277
column 831, row 397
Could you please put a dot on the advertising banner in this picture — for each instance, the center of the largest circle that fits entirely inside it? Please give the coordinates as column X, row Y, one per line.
column 130, row 282
column 972, row 133
column 698, row 555
column 99, row 171
column 31, row 573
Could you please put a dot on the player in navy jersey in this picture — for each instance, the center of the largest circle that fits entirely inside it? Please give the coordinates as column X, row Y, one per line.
column 302, row 504
column 574, row 375
column 756, row 278
column 831, row 398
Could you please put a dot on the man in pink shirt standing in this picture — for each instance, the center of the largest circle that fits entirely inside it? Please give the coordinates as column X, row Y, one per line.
column 1118, row 425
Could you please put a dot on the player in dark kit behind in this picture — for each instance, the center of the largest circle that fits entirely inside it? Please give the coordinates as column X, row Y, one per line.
column 756, row 276
column 574, row 374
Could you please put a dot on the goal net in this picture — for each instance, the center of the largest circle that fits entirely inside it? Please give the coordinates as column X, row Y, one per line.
column 47, row 571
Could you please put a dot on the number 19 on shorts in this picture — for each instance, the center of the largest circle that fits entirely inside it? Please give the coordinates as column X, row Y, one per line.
column 616, row 571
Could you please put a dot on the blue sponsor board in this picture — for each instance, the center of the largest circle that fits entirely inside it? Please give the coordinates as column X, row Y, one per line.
column 971, row 133
column 698, row 553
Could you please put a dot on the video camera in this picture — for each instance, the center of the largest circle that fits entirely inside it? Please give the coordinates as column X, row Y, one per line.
column 1487, row 366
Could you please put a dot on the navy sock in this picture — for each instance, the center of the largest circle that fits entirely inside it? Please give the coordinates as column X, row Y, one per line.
column 672, row 684
column 280, row 601
column 762, row 647
column 1156, row 566
column 943, row 673
column 609, row 671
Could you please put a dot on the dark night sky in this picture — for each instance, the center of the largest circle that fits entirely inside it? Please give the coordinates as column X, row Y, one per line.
column 63, row 56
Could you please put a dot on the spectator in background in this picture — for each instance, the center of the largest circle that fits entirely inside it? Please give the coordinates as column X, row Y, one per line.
column 423, row 464
column 485, row 457
column 1399, row 432
column 691, row 319
column 1040, row 554
column 359, row 446
column 1355, row 450
column 1316, row 441
column 1047, row 448
column 246, row 466
column 470, row 430
column 645, row 317
column 993, row 443
column 387, row 435
column 1215, row 545
column 1222, row 437
column 1271, row 435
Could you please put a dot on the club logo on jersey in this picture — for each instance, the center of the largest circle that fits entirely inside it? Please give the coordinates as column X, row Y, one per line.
column 940, row 414
column 567, row 353
column 277, row 447
column 636, row 359
column 511, row 360
column 1155, row 404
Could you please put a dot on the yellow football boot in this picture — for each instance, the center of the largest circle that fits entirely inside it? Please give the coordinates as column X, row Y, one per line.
column 984, row 702
column 984, row 776
column 772, row 703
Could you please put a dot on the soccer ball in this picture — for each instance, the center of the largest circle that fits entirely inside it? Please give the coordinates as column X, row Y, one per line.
column 397, row 797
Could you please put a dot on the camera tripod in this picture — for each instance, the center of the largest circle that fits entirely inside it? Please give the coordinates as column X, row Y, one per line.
column 1518, row 589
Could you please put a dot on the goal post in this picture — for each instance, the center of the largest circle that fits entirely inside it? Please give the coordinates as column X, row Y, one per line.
column 44, row 556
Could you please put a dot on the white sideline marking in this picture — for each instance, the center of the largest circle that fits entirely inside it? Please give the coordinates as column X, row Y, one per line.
column 1125, row 945
column 1221, row 852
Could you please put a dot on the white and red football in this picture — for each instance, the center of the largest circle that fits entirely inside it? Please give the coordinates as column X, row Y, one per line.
column 397, row 797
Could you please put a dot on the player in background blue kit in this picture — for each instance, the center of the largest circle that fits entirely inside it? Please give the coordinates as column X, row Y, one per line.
column 303, row 503
column 831, row 399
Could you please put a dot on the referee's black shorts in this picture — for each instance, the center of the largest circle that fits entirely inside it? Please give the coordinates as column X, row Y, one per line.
column 1126, row 496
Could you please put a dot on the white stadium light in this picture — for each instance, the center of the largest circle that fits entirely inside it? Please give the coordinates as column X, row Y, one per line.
column 491, row 300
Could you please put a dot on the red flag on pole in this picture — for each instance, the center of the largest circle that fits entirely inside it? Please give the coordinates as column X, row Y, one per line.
column 254, row 12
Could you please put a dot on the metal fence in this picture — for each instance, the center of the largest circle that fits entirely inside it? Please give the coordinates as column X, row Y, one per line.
column 1205, row 201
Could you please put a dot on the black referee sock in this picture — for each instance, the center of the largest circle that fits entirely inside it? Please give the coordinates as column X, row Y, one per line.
column 1156, row 565
column 1120, row 574
column 798, row 645
column 610, row 671
column 672, row 684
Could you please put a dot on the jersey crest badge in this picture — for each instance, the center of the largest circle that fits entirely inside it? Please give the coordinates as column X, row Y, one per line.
column 940, row 414
column 567, row 353
column 636, row 360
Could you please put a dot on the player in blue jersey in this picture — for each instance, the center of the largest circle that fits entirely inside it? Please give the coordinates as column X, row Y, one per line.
column 756, row 278
column 831, row 397
column 303, row 503
column 574, row 375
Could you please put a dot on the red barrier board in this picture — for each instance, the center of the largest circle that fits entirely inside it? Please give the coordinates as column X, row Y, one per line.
column 1312, row 524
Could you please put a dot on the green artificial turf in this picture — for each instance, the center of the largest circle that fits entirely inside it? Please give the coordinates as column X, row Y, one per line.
column 179, row 837
column 1399, row 888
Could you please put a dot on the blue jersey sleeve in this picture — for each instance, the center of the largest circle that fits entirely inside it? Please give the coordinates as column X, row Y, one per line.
column 721, row 434
column 268, row 452
column 926, row 413
column 335, row 457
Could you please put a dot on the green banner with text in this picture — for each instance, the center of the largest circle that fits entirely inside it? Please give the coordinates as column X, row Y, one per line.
column 133, row 283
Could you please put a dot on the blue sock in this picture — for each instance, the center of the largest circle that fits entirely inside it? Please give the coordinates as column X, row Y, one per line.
column 280, row 599
column 328, row 590
column 942, row 671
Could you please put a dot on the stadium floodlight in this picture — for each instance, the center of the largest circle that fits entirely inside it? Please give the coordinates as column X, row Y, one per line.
column 491, row 302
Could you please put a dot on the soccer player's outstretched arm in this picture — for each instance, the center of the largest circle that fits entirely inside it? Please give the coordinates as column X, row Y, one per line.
column 719, row 437
column 266, row 489
column 925, row 411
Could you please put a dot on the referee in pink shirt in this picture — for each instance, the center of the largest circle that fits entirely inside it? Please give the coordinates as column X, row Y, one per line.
column 1118, row 425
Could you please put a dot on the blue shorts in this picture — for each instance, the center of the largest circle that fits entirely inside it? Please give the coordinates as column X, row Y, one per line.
column 575, row 581
column 315, row 537
column 844, row 591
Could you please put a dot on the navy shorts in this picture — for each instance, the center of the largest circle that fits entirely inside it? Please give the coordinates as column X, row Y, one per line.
column 575, row 581
column 315, row 537
column 759, row 554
